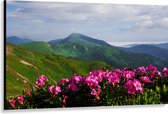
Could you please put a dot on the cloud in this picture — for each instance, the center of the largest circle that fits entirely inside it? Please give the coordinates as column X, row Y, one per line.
column 47, row 20
column 164, row 22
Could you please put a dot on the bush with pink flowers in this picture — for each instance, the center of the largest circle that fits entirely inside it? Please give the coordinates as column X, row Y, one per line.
column 144, row 85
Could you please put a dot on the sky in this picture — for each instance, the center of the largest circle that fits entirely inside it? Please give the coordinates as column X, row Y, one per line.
column 116, row 24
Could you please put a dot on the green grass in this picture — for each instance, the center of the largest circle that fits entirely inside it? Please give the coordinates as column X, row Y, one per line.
column 38, row 46
column 53, row 66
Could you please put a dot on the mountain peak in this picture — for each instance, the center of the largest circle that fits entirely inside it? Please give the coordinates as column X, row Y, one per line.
column 77, row 37
column 75, row 34
column 16, row 40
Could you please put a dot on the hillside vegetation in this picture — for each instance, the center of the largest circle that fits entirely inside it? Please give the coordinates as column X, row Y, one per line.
column 24, row 66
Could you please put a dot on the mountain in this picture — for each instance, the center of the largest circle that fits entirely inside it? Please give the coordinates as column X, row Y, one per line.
column 80, row 38
column 82, row 47
column 16, row 40
column 23, row 67
column 131, row 45
column 150, row 50
column 39, row 46
column 162, row 45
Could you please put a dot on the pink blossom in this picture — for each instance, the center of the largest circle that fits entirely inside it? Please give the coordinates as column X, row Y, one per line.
column 154, row 74
column 12, row 103
column 150, row 67
column 55, row 90
column 63, row 81
column 141, row 70
column 113, row 77
column 97, row 75
column 128, row 74
column 28, row 92
column 77, row 79
column 20, row 99
column 118, row 71
column 165, row 71
column 94, row 92
column 145, row 79
column 72, row 87
column 133, row 86
column 92, row 83
column 64, row 101
column 40, row 82
column 50, row 89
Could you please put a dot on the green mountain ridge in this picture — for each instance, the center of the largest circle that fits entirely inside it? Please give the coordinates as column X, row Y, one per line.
column 82, row 47
column 23, row 67
column 85, row 48
column 150, row 50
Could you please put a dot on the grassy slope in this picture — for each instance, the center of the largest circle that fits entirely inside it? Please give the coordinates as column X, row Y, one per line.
column 38, row 46
column 54, row 67
column 110, row 55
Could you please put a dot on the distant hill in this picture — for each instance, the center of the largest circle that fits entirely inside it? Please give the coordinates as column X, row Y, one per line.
column 81, row 47
column 86, row 48
column 16, row 40
column 162, row 45
column 153, row 50
column 23, row 66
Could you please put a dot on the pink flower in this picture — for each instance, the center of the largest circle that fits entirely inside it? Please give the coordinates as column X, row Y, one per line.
column 28, row 92
column 63, row 81
column 150, row 67
column 154, row 74
column 72, row 87
column 113, row 77
column 165, row 71
column 133, row 86
column 64, row 101
column 40, row 82
column 141, row 70
column 12, row 103
column 55, row 90
column 97, row 75
column 20, row 99
column 77, row 79
column 92, row 83
column 50, row 89
column 118, row 71
column 95, row 93
column 137, row 84
column 128, row 74
column 145, row 79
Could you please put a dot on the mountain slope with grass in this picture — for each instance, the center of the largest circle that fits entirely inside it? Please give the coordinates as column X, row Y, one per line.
column 82, row 47
column 150, row 50
column 39, row 46
column 23, row 66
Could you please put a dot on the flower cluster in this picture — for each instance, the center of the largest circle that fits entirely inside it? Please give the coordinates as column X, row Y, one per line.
column 40, row 82
column 20, row 100
column 132, row 81
column 55, row 90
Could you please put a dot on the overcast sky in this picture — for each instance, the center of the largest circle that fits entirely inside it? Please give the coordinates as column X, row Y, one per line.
column 116, row 24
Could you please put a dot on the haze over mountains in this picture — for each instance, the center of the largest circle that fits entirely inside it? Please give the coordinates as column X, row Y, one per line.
column 81, row 47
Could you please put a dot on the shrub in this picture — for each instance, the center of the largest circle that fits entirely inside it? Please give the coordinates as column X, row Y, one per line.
column 144, row 85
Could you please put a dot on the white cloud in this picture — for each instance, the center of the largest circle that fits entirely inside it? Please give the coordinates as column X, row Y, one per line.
column 164, row 22
column 50, row 19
